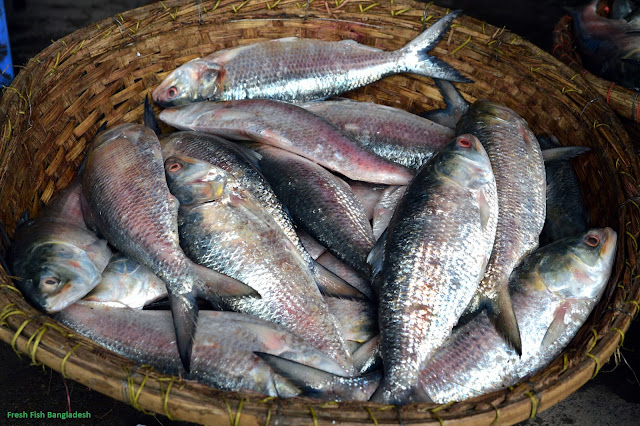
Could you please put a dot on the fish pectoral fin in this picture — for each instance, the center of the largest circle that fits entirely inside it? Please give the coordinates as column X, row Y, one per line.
column 503, row 317
column 214, row 285
column 556, row 328
column 332, row 285
column 185, row 317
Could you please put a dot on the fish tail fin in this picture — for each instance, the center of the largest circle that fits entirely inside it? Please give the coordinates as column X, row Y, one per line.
column 501, row 313
column 419, row 62
column 321, row 384
column 212, row 285
column 456, row 105
column 185, row 318
column 563, row 153
column 332, row 285
column 150, row 119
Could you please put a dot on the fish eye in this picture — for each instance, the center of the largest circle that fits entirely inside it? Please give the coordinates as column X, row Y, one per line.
column 592, row 240
column 50, row 281
column 464, row 142
column 172, row 92
column 174, row 167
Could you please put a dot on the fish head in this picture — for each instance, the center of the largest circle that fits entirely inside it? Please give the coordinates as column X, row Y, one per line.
column 586, row 263
column 197, row 80
column 194, row 181
column 56, row 274
column 465, row 161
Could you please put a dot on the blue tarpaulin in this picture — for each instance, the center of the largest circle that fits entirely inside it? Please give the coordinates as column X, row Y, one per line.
column 6, row 65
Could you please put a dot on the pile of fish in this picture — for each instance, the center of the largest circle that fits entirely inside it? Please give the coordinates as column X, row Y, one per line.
column 608, row 40
column 337, row 249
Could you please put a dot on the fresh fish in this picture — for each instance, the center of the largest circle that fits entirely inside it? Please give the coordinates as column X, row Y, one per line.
column 520, row 179
column 607, row 47
column 431, row 260
column 293, row 69
column 367, row 193
column 126, row 283
column 320, row 203
column 566, row 212
column 224, row 227
column 388, row 132
column 553, row 291
column 56, row 258
column 289, row 127
column 384, row 209
column 127, row 200
column 223, row 348
column 347, row 273
column 241, row 162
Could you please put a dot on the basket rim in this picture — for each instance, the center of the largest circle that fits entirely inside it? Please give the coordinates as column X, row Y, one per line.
column 24, row 333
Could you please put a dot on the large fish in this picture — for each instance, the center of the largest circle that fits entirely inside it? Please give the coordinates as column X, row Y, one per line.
column 320, row 203
column 224, row 227
column 431, row 260
column 391, row 133
column 128, row 201
column 292, row 69
column 607, row 47
column 553, row 290
column 56, row 258
column 518, row 167
column 289, row 127
column 223, row 348
column 241, row 163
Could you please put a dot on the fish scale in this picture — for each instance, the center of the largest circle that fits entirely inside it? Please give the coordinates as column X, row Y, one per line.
column 435, row 250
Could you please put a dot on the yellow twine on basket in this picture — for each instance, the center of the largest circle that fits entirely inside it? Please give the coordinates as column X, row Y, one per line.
column 399, row 12
column 17, row 334
column 133, row 395
column 11, row 287
column 597, row 361
column 435, row 411
column 174, row 15
column 565, row 363
column 635, row 243
column 454, row 51
column 236, row 421
column 313, row 416
column 271, row 6
column 633, row 302
column 236, row 9
column 74, row 51
column 497, row 419
column 621, row 336
column 330, row 404
column 64, row 361
column 268, row 416
column 366, row 9
column 595, row 339
column 267, row 399
column 386, row 407
column 216, row 6
column 38, row 336
column 534, row 403
column 228, row 410
column 373, row 418
column 165, row 394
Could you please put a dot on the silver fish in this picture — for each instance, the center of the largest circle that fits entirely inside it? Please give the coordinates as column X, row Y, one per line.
column 518, row 167
column 224, row 227
column 431, row 260
column 293, row 69
column 126, row 283
column 320, row 203
column 56, row 258
column 223, row 348
column 553, row 291
column 289, row 127
column 128, row 201
column 388, row 132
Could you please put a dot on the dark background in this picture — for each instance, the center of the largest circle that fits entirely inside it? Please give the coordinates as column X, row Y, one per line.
column 612, row 398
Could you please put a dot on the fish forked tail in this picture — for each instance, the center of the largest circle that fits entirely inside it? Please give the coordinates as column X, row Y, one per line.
column 418, row 61
column 185, row 318
column 501, row 314
column 456, row 105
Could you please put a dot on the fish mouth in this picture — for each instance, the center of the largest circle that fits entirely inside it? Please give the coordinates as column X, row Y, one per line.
column 609, row 246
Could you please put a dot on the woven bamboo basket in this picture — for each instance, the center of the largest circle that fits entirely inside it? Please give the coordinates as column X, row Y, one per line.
column 103, row 72
column 623, row 101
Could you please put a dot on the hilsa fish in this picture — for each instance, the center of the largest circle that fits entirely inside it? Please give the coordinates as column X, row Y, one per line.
column 56, row 258
column 553, row 291
column 126, row 198
column 297, row 70
column 608, row 47
column 431, row 260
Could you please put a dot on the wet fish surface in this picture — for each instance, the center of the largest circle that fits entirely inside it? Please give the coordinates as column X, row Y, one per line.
column 553, row 291
column 433, row 257
column 293, row 69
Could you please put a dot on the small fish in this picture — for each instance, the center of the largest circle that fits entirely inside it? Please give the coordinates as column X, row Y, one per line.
column 607, row 47
column 223, row 347
column 126, row 198
column 224, row 227
column 518, row 167
column 553, row 291
column 566, row 213
column 391, row 133
column 56, row 258
column 126, row 283
column 298, row 70
column 320, row 203
column 288, row 127
column 431, row 260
